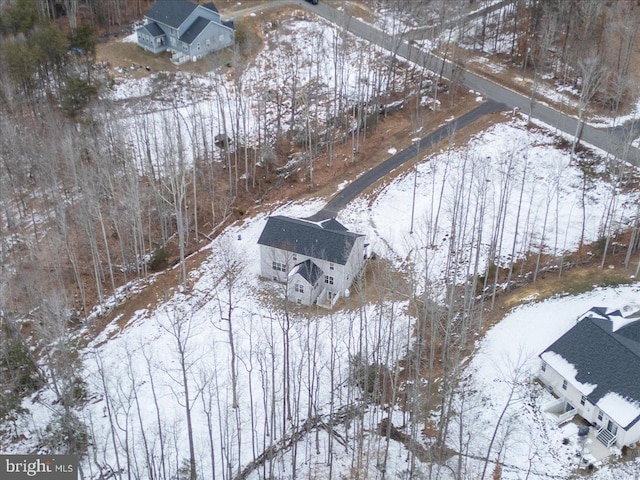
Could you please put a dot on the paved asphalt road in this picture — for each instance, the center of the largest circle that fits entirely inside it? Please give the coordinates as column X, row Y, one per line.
column 355, row 188
column 601, row 138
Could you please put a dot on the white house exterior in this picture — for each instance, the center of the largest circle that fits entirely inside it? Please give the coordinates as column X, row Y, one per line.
column 317, row 261
column 594, row 369
column 187, row 30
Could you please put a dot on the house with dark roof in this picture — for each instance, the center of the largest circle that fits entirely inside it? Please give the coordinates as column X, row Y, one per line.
column 188, row 30
column 594, row 370
column 316, row 261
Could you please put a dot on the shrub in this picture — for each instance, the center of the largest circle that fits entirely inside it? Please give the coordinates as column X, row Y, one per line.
column 160, row 259
column 76, row 95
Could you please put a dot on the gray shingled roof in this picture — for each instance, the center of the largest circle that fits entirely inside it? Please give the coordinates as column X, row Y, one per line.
column 309, row 271
column 332, row 243
column 171, row 12
column 153, row 29
column 194, row 30
column 602, row 357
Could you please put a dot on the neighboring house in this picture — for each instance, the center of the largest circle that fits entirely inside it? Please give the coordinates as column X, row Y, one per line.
column 317, row 261
column 594, row 369
column 187, row 30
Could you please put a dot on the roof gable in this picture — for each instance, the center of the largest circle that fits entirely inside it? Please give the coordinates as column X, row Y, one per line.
column 153, row 29
column 194, row 30
column 171, row 12
column 309, row 271
column 333, row 244
column 608, row 359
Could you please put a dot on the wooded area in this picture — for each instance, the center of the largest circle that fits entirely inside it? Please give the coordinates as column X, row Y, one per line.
column 93, row 199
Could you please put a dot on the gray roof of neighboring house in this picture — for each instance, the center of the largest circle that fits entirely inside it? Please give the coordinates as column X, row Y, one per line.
column 328, row 240
column 153, row 29
column 603, row 357
column 171, row 12
column 194, row 30
column 309, row 271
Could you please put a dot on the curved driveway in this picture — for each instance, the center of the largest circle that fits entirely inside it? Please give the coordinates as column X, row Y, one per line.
column 340, row 200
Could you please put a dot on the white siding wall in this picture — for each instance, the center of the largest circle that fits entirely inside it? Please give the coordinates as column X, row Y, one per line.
column 588, row 411
column 268, row 255
column 355, row 261
column 553, row 379
column 629, row 437
column 308, row 296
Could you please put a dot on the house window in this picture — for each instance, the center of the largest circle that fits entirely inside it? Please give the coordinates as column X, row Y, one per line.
column 279, row 267
column 583, row 400
column 299, row 288
column 543, row 367
column 299, row 302
column 294, row 257
column 564, row 384
column 331, row 266
column 600, row 414
column 198, row 45
column 328, row 279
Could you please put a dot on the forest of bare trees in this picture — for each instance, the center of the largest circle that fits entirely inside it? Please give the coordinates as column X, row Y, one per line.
column 93, row 200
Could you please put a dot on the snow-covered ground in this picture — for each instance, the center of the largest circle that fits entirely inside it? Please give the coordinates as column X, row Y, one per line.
column 458, row 197
column 135, row 379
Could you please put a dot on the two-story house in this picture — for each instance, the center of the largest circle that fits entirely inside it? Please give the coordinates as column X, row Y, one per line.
column 316, row 261
column 188, row 30
column 594, row 370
